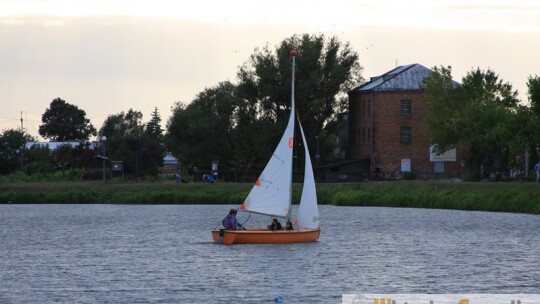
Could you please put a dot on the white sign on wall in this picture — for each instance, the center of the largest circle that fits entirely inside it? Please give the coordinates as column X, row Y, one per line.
column 449, row 155
column 405, row 165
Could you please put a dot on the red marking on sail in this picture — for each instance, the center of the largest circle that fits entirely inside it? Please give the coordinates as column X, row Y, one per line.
column 243, row 206
column 291, row 141
column 296, row 221
column 258, row 183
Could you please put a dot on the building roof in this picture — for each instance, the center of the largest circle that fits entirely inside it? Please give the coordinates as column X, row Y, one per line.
column 53, row 145
column 169, row 159
column 403, row 78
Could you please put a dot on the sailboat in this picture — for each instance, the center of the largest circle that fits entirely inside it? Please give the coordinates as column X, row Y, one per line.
column 271, row 195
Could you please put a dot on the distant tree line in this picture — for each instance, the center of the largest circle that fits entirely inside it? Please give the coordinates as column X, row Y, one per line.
column 139, row 145
column 239, row 123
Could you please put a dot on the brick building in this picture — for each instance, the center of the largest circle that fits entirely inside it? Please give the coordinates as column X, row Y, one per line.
column 387, row 136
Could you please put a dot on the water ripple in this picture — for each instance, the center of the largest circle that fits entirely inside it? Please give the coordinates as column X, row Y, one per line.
column 164, row 254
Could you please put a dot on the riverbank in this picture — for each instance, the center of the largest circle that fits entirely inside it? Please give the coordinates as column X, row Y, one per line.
column 480, row 196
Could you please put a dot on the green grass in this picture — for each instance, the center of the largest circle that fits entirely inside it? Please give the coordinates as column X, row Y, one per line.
column 482, row 196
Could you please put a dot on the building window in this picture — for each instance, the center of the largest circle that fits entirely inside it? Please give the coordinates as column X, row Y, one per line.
column 405, row 135
column 405, row 107
column 438, row 167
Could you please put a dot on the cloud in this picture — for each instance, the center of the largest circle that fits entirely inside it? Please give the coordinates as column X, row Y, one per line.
column 106, row 64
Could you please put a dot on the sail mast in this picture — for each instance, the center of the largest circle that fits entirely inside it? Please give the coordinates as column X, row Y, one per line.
column 293, row 55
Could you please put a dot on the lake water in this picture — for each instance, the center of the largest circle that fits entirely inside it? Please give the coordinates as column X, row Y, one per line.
column 165, row 254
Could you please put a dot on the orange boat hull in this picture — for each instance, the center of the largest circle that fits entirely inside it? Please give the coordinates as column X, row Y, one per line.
column 265, row 236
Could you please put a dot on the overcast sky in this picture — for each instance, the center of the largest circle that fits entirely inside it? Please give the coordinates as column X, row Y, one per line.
column 107, row 56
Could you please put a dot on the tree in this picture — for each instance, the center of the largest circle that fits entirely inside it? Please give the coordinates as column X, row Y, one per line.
column 201, row 131
column 533, row 87
column 123, row 132
column 326, row 70
column 240, row 125
column 153, row 127
column 531, row 123
column 12, row 147
column 63, row 122
column 446, row 109
column 39, row 159
column 151, row 148
column 127, row 140
column 479, row 115
column 64, row 157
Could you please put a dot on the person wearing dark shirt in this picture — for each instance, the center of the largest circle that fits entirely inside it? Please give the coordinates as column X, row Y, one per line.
column 288, row 226
column 276, row 225
column 230, row 222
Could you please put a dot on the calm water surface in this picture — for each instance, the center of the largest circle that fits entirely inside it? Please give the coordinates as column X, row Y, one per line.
column 164, row 254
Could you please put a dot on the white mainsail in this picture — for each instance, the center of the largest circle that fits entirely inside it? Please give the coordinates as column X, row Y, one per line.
column 308, row 213
column 271, row 194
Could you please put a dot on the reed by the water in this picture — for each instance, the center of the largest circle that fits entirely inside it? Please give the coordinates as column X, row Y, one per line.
column 483, row 196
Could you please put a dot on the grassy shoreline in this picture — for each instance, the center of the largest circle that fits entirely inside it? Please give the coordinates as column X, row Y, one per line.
column 499, row 197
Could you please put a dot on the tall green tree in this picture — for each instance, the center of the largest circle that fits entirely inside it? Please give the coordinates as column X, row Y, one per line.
column 326, row 70
column 532, row 122
column 200, row 132
column 130, row 142
column 151, row 146
column 478, row 115
column 13, row 154
column 123, row 132
column 63, row 122
column 447, row 109
column 153, row 126
column 533, row 92
column 240, row 125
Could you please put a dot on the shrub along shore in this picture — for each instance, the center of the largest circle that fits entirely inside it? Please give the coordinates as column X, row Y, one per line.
column 481, row 196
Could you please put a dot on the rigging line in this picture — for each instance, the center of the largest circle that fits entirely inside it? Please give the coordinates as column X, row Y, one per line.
column 246, row 220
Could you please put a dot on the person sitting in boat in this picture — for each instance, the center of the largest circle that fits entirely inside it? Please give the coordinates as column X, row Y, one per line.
column 276, row 225
column 288, row 226
column 230, row 222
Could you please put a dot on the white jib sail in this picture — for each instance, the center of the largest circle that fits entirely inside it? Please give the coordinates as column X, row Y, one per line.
column 271, row 194
column 308, row 212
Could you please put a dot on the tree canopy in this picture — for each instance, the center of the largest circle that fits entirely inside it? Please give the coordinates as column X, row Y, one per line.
column 325, row 70
column 12, row 147
column 64, row 122
column 481, row 115
column 153, row 126
column 201, row 131
column 140, row 148
column 241, row 123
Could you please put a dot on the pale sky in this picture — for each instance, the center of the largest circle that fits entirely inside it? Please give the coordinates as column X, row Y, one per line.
column 107, row 56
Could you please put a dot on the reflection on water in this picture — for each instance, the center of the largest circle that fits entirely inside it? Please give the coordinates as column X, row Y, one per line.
column 165, row 254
